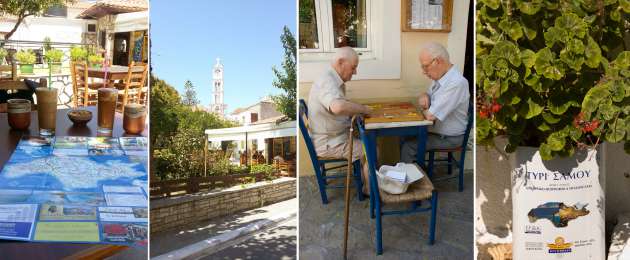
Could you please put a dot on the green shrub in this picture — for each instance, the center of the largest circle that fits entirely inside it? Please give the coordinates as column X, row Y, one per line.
column 95, row 59
column 3, row 54
column 47, row 43
column 553, row 75
column 54, row 55
column 78, row 53
column 25, row 57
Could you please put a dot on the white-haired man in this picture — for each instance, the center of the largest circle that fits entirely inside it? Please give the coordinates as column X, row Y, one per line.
column 329, row 110
column 445, row 103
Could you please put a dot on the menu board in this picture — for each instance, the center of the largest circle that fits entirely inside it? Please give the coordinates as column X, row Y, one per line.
column 76, row 189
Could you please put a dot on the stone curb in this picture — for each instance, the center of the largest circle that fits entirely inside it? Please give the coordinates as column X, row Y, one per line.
column 217, row 243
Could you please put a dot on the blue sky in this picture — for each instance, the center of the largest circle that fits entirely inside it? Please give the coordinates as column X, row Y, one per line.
column 188, row 36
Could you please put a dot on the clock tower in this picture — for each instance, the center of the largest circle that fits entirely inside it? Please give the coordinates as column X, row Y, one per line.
column 217, row 105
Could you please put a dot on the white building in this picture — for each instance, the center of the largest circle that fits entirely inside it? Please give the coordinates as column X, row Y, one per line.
column 217, row 106
column 260, row 111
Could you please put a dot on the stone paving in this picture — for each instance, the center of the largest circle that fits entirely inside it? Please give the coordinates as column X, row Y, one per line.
column 404, row 237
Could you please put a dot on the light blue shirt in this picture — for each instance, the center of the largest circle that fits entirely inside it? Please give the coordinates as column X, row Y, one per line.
column 449, row 103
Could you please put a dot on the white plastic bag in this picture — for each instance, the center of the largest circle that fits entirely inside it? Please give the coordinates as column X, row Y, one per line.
column 412, row 171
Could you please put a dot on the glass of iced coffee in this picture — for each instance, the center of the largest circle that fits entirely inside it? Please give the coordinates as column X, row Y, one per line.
column 46, row 110
column 106, row 109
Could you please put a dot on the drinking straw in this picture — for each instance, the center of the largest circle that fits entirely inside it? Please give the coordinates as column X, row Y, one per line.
column 49, row 74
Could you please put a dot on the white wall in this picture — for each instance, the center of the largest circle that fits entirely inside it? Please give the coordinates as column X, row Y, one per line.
column 37, row 28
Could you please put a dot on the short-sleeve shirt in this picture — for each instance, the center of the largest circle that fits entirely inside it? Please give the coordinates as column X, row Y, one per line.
column 449, row 103
column 326, row 129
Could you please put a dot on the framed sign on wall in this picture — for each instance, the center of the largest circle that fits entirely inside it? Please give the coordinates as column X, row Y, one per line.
column 426, row 15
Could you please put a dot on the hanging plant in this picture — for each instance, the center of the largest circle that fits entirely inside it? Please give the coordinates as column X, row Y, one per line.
column 553, row 75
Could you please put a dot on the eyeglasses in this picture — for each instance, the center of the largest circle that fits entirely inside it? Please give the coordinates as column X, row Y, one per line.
column 426, row 66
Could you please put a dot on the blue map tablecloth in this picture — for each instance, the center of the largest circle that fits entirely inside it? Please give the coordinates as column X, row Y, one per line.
column 76, row 189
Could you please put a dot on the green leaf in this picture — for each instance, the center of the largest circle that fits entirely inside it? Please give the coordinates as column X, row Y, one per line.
column 549, row 118
column 593, row 53
column 533, row 109
column 509, row 51
column 528, row 57
column 616, row 132
column 615, row 15
column 556, row 141
column 482, row 127
column 529, row 8
column 512, row 29
column 553, row 35
column 493, row 4
column 593, row 98
column 545, row 152
column 544, row 57
column 608, row 110
column 623, row 60
column 572, row 23
column 553, row 72
column 625, row 5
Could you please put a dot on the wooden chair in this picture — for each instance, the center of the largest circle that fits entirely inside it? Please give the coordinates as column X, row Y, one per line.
column 134, row 85
column 417, row 192
column 84, row 93
column 319, row 163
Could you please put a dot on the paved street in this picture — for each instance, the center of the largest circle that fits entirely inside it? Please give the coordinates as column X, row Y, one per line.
column 168, row 241
column 404, row 237
column 277, row 243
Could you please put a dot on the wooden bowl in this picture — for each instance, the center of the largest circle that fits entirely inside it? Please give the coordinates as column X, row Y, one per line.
column 80, row 117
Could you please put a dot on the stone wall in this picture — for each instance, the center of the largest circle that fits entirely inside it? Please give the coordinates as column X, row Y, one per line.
column 171, row 213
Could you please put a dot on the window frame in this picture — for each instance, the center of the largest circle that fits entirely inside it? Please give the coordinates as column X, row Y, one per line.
column 325, row 31
column 381, row 60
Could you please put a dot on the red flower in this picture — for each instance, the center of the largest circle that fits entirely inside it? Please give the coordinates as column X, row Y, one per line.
column 483, row 114
column 496, row 107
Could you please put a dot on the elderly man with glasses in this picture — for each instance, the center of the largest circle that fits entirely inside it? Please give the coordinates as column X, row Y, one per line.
column 445, row 102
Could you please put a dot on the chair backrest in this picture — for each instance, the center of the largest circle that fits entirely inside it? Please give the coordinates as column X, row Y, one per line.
column 79, row 71
column 374, row 191
column 303, row 123
column 469, row 125
column 136, row 79
column 8, row 72
column 137, row 75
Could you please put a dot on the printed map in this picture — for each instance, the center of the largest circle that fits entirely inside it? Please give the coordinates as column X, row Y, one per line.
column 63, row 179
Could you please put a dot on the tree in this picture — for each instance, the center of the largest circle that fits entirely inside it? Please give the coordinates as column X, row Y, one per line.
column 286, row 79
column 190, row 95
column 25, row 8
column 177, row 133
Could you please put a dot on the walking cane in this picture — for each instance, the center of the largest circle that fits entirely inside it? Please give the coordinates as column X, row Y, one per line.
column 348, row 174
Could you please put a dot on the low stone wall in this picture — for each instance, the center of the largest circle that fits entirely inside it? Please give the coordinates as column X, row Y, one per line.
column 171, row 213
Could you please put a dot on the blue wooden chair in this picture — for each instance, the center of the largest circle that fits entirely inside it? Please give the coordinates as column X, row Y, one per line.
column 417, row 192
column 320, row 163
column 450, row 159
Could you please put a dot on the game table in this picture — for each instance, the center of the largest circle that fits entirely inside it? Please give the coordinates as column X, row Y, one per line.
column 395, row 118
column 8, row 143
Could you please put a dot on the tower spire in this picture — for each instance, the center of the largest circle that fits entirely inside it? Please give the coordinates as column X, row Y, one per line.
column 217, row 86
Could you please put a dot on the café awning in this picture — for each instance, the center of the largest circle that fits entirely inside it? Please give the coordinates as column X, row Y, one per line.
column 254, row 131
column 107, row 7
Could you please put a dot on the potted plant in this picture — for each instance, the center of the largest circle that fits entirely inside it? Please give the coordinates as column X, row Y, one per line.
column 53, row 57
column 96, row 61
column 78, row 53
column 3, row 54
column 26, row 58
column 553, row 79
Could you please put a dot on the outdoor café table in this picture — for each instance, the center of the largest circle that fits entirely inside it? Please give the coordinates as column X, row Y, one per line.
column 114, row 72
column 9, row 139
column 398, row 127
